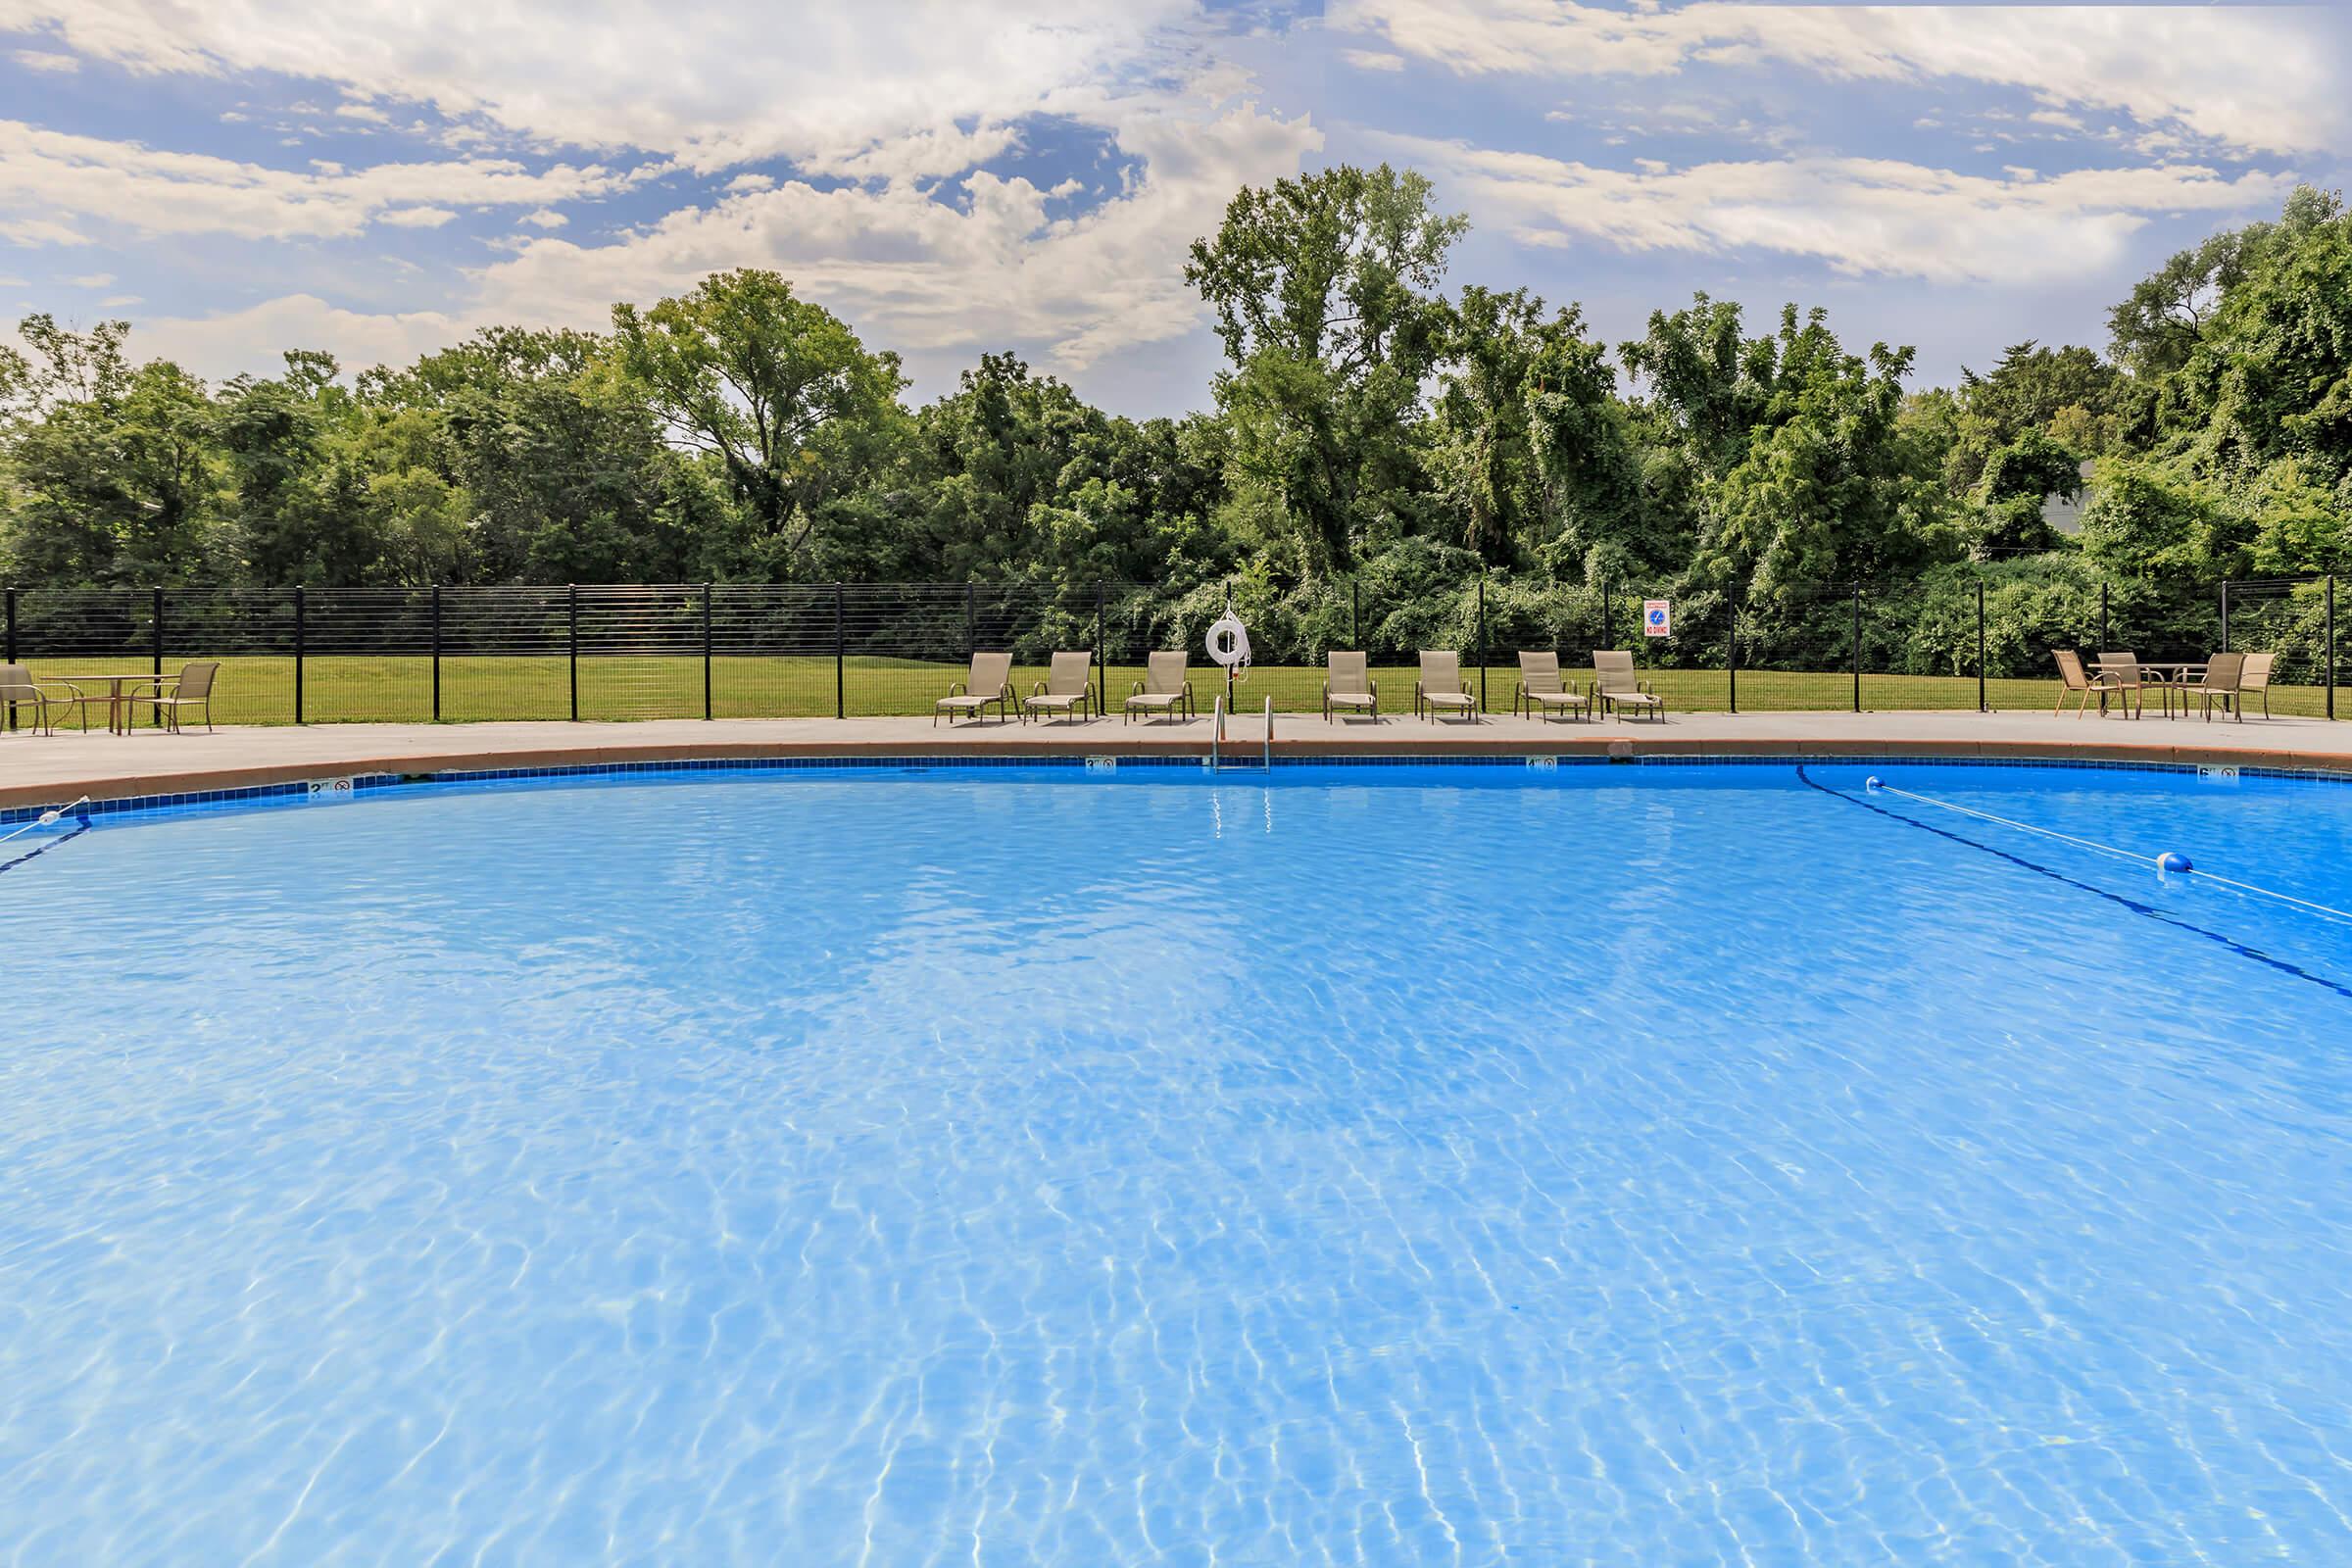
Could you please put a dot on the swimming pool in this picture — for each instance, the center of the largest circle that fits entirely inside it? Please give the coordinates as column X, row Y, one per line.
column 1353, row 1164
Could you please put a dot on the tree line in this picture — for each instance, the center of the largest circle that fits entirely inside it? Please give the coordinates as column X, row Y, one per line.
column 1367, row 426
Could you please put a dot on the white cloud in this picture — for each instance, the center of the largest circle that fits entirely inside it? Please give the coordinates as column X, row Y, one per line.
column 743, row 182
column 43, row 60
column 2262, row 80
column 1859, row 216
column 362, row 111
column 1372, row 59
column 91, row 280
column 116, row 302
column 252, row 339
column 914, row 273
column 417, row 216
column 546, row 217
column 692, row 78
column 2057, row 118
column 40, row 231
column 148, row 191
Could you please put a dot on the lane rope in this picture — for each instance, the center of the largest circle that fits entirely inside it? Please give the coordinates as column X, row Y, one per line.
column 49, row 818
column 2162, row 862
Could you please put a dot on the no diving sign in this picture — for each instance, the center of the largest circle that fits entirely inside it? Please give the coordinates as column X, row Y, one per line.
column 1657, row 618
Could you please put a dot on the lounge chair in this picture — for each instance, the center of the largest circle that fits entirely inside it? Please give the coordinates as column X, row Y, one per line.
column 2256, row 677
column 990, row 681
column 2224, row 681
column 18, row 690
column 1543, row 691
column 1349, row 686
column 1440, row 688
column 191, row 688
column 2081, row 684
column 1067, row 689
column 1619, row 688
column 1163, row 688
column 2124, row 672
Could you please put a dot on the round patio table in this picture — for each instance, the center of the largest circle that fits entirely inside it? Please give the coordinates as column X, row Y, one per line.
column 117, row 703
column 2171, row 675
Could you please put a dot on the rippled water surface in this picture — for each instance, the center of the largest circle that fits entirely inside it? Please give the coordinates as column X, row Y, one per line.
column 1709, row 1164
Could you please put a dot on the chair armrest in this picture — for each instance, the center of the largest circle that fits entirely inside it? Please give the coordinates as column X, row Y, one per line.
column 1646, row 688
column 1373, row 687
column 1037, row 690
column 1137, row 690
column 957, row 689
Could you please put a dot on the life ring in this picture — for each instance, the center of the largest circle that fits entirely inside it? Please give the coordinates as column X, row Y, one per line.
column 1229, row 644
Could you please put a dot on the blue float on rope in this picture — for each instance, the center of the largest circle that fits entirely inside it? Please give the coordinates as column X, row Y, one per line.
column 2174, row 861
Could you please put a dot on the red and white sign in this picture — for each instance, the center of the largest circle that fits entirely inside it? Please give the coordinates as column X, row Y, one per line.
column 1657, row 618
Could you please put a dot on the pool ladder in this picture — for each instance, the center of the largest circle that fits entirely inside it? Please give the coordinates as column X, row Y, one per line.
column 1216, row 738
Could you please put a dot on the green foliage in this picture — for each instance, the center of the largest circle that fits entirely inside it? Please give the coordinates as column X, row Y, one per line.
column 777, row 389
column 1324, row 290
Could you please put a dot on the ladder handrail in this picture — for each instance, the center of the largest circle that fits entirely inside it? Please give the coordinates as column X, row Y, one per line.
column 1217, row 736
column 1270, row 732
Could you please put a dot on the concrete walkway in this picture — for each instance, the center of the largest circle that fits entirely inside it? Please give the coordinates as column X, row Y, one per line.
column 41, row 770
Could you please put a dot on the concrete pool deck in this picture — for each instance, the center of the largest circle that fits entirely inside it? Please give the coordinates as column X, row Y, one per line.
column 45, row 770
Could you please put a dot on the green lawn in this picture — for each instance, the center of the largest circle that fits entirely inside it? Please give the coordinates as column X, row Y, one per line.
column 338, row 689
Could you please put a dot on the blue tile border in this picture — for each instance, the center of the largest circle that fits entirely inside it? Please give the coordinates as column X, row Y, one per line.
column 371, row 783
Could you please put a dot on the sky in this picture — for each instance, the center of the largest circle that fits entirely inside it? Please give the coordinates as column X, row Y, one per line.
column 380, row 178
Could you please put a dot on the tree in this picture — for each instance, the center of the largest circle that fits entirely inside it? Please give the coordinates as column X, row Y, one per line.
column 1325, row 293
column 1794, row 453
column 114, row 470
column 2163, row 320
column 776, row 389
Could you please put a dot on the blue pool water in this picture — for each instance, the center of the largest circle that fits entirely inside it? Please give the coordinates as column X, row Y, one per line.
column 1379, row 1165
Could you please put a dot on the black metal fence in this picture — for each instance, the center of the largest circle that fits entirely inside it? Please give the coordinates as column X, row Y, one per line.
column 296, row 655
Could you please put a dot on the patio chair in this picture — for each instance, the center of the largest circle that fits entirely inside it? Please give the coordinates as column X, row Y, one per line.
column 1163, row 688
column 2255, row 678
column 18, row 690
column 1349, row 686
column 1440, row 688
column 1542, row 690
column 2222, row 683
column 2081, row 684
column 193, row 687
column 1067, row 689
column 1618, row 688
column 2123, row 671
column 990, row 681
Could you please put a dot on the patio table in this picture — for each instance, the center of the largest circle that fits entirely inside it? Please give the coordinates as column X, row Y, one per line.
column 2168, row 675
column 118, row 709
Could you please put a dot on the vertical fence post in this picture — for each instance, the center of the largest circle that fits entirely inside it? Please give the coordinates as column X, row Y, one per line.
column 971, row 622
column 571, row 621
column 301, row 639
column 705, row 652
column 1604, row 614
column 2103, row 639
column 2224, row 614
column 1482, row 642
column 1732, row 652
column 12, row 637
column 437, row 652
column 1355, row 613
column 8, row 650
column 155, row 653
column 841, row 689
column 1102, row 679
column 1858, row 648
column 1982, row 708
